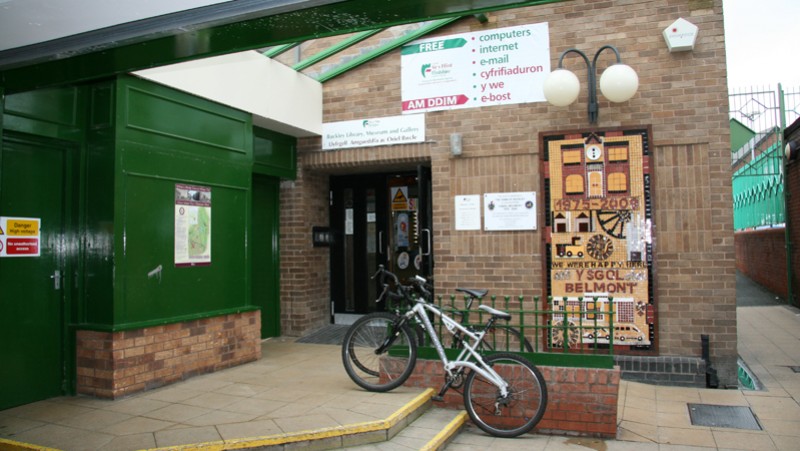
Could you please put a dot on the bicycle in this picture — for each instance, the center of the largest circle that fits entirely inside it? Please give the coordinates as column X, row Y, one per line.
column 500, row 334
column 504, row 394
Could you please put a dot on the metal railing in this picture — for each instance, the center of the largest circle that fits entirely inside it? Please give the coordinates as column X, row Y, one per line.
column 758, row 180
column 578, row 337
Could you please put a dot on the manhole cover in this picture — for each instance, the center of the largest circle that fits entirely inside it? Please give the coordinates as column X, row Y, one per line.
column 723, row 416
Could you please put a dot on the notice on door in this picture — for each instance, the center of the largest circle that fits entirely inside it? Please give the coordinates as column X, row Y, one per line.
column 20, row 237
column 192, row 225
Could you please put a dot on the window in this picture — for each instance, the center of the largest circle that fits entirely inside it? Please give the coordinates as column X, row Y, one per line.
column 618, row 154
column 572, row 157
column 617, row 182
column 560, row 223
column 625, row 311
column 583, row 223
column 574, row 184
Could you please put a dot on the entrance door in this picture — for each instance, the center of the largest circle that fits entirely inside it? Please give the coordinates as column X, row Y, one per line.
column 378, row 219
column 358, row 221
column 33, row 185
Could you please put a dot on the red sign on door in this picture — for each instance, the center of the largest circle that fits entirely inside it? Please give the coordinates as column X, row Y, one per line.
column 22, row 246
column 20, row 237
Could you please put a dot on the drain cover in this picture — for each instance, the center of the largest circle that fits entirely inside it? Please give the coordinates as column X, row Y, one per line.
column 723, row 416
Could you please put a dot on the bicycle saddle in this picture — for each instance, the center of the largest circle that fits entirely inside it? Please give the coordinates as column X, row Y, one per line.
column 473, row 293
column 495, row 312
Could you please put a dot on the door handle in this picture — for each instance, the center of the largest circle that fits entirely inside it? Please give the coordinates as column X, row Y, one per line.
column 56, row 276
column 427, row 233
column 380, row 242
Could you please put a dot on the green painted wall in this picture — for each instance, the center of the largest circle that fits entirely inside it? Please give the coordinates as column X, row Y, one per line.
column 132, row 142
column 266, row 253
column 274, row 154
column 137, row 141
column 163, row 138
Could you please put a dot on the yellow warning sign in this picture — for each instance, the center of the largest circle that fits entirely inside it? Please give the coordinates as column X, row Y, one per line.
column 22, row 227
column 399, row 198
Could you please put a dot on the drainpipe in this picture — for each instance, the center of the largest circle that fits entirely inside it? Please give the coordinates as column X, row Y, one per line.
column 712, row 381
column 787, row 236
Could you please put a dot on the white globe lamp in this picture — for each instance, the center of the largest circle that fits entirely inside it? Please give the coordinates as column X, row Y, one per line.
column 619, row 83
column 561, row 87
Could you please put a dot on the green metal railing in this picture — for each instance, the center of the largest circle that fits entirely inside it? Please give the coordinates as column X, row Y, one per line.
column 758, row 181
column 758, row 197
column 572, row 338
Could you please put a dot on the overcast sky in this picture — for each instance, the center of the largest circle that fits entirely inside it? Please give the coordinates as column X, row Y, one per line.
column 761, row 40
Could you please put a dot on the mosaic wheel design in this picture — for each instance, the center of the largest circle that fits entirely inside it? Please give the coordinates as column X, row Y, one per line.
column 614, row 221
column 557, row 334
column 600, row 247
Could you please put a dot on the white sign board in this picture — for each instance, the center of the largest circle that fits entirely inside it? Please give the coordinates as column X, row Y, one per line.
column 494, row 67
column 192, row 225
column 382, row 131
column 509, row 211
column 20, row 237
column 468, row 212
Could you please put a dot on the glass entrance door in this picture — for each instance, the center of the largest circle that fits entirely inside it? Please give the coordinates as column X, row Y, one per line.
column 358, row 220
column 377, row 219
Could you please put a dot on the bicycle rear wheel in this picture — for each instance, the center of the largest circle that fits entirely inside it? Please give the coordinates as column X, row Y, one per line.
column 374, row 370
column 514, row 414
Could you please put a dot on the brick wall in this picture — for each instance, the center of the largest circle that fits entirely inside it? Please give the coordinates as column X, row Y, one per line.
column 682, row 97
column 761, row 255
column 581, row 401
column 793, row 215
column 793, row 211
column 116, row 364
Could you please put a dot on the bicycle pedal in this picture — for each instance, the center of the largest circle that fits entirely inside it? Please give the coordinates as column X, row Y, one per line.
column 437, row 398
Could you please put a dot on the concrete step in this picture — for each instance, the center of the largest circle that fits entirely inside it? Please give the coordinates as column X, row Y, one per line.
column 433, row 430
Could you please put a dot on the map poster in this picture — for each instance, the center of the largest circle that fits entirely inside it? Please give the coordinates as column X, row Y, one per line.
column 600, row 244
column 192, row 225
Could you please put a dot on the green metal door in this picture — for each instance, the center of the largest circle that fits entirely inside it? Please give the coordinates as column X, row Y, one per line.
column 32, row 183
column 265, row 255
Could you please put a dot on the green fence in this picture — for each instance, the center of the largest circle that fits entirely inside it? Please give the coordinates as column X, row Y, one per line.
column 758, row 117
column 574, row 338
column 758, row 191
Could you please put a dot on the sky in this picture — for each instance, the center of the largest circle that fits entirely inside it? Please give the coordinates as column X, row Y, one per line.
column 761, row 43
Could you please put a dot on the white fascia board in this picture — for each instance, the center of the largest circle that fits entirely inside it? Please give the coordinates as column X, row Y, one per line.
column 280, row 98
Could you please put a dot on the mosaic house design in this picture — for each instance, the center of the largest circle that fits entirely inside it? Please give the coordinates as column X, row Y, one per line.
column 599, row 238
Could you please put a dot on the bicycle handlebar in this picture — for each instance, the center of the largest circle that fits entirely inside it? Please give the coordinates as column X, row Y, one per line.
column 419, row 282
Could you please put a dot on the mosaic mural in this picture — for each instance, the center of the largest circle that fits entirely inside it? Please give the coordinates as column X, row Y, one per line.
column 599, row 239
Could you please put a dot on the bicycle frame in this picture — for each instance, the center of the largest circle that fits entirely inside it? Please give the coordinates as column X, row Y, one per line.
column 419, row 310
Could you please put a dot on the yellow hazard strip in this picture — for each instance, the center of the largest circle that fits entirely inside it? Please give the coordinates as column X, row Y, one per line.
column 446, row 433
column 11, row 445
column 317, row 434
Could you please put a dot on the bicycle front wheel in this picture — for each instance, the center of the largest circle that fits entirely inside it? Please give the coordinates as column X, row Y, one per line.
column 514, row 414
column 378, row 352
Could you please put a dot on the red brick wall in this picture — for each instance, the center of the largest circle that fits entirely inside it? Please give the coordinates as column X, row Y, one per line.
column 793, row 213
column 581, row 401
column 682, row 97
column 305, row 274
column 761, row 255
column 115, row 364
